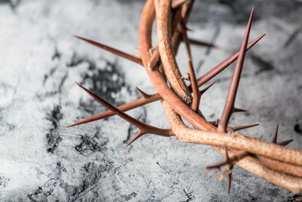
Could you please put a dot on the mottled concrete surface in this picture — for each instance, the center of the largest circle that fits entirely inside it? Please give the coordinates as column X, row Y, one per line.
column 40, row 61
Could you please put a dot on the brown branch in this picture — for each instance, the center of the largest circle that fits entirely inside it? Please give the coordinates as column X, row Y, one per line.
column 237, row 128
column 141, row 101
column 195, row 92
column 176, row 108
column 277, row 166
column 275, row 137
column 248, row 163
column 201, row 43
column 124, row 107
column 143, row 128
column 232, row 92
column 281, row 167
column 166, row 50
column 226, row 62
column 114, row 51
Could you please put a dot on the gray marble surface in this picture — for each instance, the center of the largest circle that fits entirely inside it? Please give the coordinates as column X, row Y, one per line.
column 40, row 61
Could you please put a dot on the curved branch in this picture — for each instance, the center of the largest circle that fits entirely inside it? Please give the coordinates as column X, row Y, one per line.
column 248, row 163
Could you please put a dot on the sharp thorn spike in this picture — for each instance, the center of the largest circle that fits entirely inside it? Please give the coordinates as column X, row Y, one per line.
column 207, row 88
column 234, row 84
column 111, row 107
column 108, row 113
column 218, row 165
column 229, row 161
column 140, row 125
column 237, row 128
column 230, row 178
column 201, row 43
column 285, row 142
column 145, row 95
column 225, row 63
column 112, row 50
column 275, row 137
column 136, row 136
column 237, row 110
column 72, row 125
column 215, row 166
column 226, row 154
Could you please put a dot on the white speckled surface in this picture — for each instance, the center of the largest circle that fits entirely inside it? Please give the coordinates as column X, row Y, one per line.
column 40, row 61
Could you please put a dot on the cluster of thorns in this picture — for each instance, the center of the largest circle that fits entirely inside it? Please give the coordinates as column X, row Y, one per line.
column 273, row 162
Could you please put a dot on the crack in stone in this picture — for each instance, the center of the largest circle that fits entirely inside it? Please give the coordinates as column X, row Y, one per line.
column 53, row 137
column 92, row 173
column 91, row 144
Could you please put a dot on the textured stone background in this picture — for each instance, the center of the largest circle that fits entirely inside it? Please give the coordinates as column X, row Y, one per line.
column 40, row 61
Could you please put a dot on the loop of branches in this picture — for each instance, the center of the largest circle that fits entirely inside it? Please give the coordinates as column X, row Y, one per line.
column 273, row 161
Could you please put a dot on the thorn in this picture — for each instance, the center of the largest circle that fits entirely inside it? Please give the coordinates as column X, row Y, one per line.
column 111, row 107
column 285, row 142
column 145, row 95
column 140, row 125
column 207, row 88
column 233, row 88
column 230, row 161
column 237, row 110
column 237, row 128
column 229, row 169
column 226, row 154
column 230, row 178
column 275, row 138
column 124, row 107
column 112, row 50
column 225, row 63
column 136, row 136
column 196, row 94
column 202, row 43
column 177, row 3
column 217, row 165
column 191, row 73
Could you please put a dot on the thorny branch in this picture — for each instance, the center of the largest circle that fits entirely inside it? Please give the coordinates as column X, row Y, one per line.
column 271, row 161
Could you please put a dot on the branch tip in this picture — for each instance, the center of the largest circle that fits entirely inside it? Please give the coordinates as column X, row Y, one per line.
column 112, row 50
column 237, row 128
column 233, row 88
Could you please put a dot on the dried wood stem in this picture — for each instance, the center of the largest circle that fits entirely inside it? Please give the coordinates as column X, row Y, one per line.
column 281, row 167
column 114, row 51
column 195, row 92
column 226, row 62
column 143, row 128
column 168, row 59
column 142, row 101
column 232, row 92
column 124, row 107
column 271, row 161
column 237, row 128
column 145, row 44
column 201, row 43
